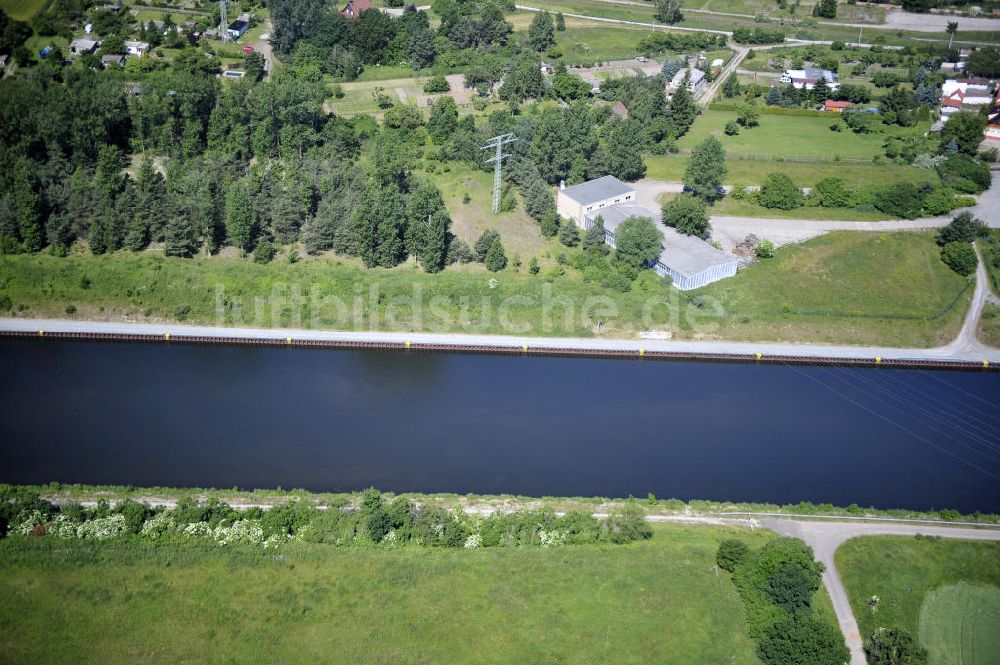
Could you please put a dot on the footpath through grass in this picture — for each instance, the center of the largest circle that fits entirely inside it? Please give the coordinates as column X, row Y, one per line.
column 912, row 576
column 658, row 601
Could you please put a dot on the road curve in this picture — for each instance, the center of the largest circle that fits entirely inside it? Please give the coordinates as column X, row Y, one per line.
column 826, row 537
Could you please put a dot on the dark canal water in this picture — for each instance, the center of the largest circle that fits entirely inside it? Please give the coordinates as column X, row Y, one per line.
column 338, row 420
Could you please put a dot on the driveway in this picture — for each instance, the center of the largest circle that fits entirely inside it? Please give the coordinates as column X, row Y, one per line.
column 826, row 537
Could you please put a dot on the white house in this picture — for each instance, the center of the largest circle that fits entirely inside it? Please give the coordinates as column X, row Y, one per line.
column 136, row 48
column 579, row 201
column 696, row 83
column 807, row 78
column 691, row 262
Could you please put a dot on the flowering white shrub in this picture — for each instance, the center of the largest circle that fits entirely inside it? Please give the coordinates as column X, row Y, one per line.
column 102, row 528
column 63, row 527
column 275, row 540
column 243, row 531
column 928, row 161
column 158, row 525
column 552, row 538
column 390, row 538
column 197, row 530
column 28, row 524
column 475, row 541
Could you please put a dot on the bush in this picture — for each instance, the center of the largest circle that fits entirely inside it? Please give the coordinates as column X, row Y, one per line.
column 894, row 646
column 830, row 193
column 803, row 641
column 263, row 252
column 939, row 201
column 732, row 128
column 569, row 235
column 496, row 259
column 731, row 553
column 628, row 524
column 964, row 174
column 964, row 228
column 902, row 200
column 960, row 257
column 764, row 249
column 778, row 191
column 688, row 215
column 437, row 84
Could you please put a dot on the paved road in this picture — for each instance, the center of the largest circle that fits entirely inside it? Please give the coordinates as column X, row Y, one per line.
column 826, row 537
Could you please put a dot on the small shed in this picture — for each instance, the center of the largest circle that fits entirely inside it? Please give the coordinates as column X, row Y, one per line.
column 82, row 45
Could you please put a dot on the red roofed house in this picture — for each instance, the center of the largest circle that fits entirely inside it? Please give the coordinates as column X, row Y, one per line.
column 831, row 105
column 354, row 8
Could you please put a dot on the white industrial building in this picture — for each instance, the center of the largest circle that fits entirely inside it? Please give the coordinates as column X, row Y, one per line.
column 689, row 261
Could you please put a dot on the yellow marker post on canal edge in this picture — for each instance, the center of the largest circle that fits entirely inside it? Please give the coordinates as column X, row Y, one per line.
column 41, row 333
column 986, row 363
column 759, row 355
column 878, row 360
column 642, row 352
column 407, row 343
column 166, row 336
column 288, row 340
column 524, row 348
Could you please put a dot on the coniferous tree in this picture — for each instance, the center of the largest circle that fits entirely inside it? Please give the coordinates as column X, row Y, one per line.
column 682, row 111
column 380, row 226
column 594, row 238
column 560, row 22
column 240, row 218
column 496, row 259
column 773, row 96
column 537, row 199
column 179, row 237
column 569, row 235
column 483, row 244
column 28, row 214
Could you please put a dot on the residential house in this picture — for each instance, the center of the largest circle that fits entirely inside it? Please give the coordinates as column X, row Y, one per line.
column 137, row 49
column 835, row 106
column 696, row 84
column 992, row 131
column 113, row 61
column 807, row 78
column 690, row 262
column 964, row 94
column 353, row 8
column 82, row 45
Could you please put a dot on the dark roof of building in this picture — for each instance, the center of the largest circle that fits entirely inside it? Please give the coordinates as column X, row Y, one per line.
column 600, row 189
column 238, row 24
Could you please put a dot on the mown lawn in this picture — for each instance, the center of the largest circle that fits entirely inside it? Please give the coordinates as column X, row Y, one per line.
column 658, row 601
column 22, row 10
column 845, row 287
column 960, row 625
column 791, row 136
column 903, row 572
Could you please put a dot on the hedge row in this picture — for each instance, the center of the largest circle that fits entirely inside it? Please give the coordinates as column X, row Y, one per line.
column 777, row 110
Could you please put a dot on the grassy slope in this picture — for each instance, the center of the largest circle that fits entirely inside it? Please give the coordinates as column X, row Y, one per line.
column 868, row 274
column 652, row 602
column 902, row 571
column 22, row 10
column 841, row 275
column 989, row 326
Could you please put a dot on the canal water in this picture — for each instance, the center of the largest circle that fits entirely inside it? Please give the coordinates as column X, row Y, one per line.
column 212, row 416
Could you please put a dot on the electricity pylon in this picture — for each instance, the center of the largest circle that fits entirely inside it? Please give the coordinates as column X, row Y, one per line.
column 223, row 21
column 497, row 143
